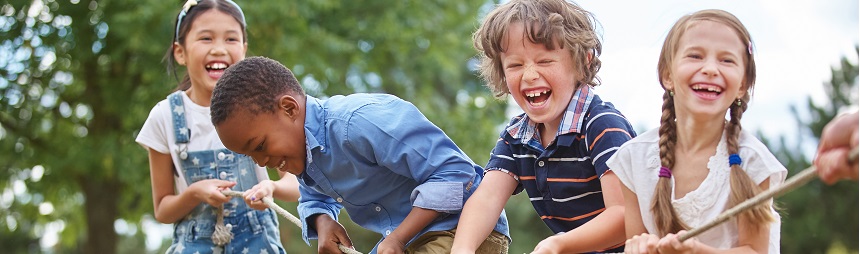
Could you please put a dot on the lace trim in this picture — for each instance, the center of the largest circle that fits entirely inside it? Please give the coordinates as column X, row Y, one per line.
column 692, row 206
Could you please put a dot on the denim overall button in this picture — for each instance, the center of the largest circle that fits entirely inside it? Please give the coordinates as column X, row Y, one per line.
column 378, row 209
column 223, row 175
column 540, row 163
column 387, row 232
column 340, row 200
column 221, row 155
column 183, row 155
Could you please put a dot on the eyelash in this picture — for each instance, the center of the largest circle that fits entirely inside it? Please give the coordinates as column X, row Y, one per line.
column 260, row 146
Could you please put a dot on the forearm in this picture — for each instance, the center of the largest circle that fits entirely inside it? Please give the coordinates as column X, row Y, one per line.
column 604, row 231
column 417, row 220
column 172, row 208
column 286, row 188
column 477, row 220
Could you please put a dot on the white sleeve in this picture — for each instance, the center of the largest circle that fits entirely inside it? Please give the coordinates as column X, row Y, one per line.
column 621, row 164
column 155, row 131
column 759, row 162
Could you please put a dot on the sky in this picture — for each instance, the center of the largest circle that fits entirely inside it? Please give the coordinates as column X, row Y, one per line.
column 795, row 45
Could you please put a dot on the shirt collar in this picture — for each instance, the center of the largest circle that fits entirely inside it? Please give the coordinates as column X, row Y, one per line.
column 314, row 124
column 572, row 120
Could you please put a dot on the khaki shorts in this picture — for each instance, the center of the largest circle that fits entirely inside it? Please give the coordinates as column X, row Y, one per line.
column 441, row 242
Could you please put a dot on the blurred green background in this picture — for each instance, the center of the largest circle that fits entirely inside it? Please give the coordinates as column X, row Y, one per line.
column 80, row 77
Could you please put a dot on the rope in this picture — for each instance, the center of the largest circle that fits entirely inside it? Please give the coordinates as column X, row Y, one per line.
column 223, row 233
column 292, row 218
column 796, row 181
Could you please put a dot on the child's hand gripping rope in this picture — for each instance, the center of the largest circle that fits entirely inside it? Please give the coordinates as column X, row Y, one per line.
column 225, row 236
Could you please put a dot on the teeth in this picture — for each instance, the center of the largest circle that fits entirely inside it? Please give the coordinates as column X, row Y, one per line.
column 532, row 95
column 217, row 66
column 709, row 88
column 280, row 166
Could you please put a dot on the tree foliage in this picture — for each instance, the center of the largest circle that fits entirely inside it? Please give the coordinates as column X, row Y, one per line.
column 817, row 216
column 79, row 79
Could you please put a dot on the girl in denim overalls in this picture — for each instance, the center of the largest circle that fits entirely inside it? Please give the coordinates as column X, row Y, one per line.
column 189, row 165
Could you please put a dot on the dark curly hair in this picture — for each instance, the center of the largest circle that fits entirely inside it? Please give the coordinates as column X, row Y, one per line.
column 253, row 84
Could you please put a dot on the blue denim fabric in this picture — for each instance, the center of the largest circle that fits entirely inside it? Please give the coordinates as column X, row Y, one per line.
column 253, row 231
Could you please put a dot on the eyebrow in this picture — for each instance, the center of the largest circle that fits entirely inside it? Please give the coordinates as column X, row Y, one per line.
column 212, row 31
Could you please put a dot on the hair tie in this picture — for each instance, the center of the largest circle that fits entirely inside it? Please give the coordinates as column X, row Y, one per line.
column 734, row 159
column 665, row 172
column 749, row 47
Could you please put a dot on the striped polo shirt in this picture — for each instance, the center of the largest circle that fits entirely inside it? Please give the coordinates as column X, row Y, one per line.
column 562, row 180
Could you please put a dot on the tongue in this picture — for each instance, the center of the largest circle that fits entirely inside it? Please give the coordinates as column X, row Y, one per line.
column 707, row 93
column 541, row 98
column 216, row 74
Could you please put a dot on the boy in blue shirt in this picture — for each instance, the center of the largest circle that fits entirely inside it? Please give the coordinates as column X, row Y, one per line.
column 375, row 155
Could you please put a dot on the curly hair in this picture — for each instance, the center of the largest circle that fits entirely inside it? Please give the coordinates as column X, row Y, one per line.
column 553, row 23
column 254, row 84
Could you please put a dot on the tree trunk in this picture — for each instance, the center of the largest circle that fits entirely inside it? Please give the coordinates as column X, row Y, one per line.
column 101, row 210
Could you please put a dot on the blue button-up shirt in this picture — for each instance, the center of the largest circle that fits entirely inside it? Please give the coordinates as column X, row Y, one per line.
column 378, row 156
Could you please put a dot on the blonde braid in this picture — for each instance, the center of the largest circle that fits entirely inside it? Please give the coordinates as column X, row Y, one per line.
column 743, row 187
column 665, row 216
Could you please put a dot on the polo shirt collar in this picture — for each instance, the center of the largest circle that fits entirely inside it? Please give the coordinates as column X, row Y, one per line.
column 572, row 120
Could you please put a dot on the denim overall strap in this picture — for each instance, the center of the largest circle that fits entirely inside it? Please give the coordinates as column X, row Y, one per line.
column 180, row 127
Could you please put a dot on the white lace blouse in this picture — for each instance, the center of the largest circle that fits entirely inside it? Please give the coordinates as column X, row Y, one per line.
column 637, row 164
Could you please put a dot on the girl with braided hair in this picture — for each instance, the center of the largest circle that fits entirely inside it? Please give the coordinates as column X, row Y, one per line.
column 697, row 164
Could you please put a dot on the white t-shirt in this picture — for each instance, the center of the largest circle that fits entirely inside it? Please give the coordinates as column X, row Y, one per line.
column 157, row 133
column 637, row 164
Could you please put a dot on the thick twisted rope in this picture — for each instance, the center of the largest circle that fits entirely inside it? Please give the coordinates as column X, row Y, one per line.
column 796, row 181
column 292, row 218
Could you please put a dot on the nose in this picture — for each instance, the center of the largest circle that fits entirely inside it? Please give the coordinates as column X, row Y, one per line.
column 258, row 159
column 709, row 68
column 218, row 49
column 530, row 74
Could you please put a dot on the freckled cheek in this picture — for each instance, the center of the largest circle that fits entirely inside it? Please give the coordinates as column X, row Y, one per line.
column 512, row 80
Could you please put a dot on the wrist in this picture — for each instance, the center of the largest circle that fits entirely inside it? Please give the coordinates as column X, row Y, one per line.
column 400, row 242
column 317, row 219
column 271, row 186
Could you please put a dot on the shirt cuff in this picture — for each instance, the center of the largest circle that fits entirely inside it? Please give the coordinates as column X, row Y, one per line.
column 444, row 197
column 306, row 214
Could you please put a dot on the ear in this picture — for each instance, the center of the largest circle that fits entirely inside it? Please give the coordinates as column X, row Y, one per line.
column 668, row 84
column 290, row 106
column 179, row 53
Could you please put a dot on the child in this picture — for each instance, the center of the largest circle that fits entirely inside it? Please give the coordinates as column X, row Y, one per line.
column 395, row 172
column 697, row 164
column 545, row 55
column 186, row 154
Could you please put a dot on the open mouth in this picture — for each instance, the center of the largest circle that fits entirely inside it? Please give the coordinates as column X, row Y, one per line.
column 537, row 98
column 216, row 69
column 707, row 90
column 281, row 166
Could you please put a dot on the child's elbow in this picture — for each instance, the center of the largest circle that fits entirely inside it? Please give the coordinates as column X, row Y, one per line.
column 162, row 218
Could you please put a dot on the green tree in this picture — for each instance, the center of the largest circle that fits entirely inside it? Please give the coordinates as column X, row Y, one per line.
column 79, row 79
column 817, row 217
